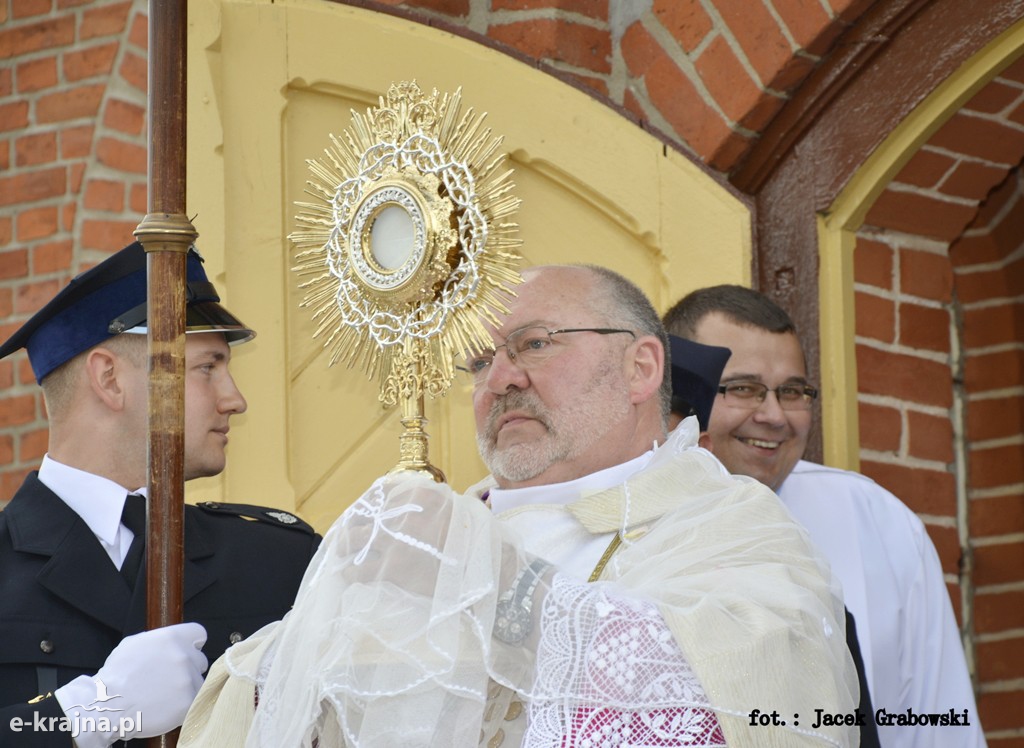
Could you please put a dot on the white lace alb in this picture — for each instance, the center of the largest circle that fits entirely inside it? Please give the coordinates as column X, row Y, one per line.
column 633, row 685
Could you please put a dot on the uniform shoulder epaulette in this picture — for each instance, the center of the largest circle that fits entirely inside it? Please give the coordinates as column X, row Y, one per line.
column 271, row 516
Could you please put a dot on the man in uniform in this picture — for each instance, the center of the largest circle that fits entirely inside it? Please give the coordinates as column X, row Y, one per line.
column 430, row 619
column 878, row 548
column 72, row 588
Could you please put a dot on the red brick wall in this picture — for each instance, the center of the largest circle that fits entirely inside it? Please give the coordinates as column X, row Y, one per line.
column 905, row 378
column 988, row 263
column 709, row 74
column 72, row 173
column 939, row 273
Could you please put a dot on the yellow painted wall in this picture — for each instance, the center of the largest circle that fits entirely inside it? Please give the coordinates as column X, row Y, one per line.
column 267, row 84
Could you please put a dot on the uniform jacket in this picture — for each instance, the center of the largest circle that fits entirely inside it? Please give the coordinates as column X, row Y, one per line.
column 64, row 606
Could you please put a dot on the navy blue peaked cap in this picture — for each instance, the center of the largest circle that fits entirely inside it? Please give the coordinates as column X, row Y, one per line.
column 110, row 299
column 696, row 372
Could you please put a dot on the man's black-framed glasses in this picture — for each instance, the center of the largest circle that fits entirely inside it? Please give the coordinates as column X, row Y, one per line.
column 528, row 347
column 750, row 395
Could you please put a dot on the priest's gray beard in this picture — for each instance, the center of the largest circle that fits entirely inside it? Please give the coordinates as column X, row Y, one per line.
column 572, row 427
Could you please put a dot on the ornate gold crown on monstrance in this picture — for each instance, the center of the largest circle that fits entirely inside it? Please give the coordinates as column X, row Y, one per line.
column 410, row 246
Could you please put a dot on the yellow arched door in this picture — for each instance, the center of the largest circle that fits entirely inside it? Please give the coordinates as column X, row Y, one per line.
column 268, row 82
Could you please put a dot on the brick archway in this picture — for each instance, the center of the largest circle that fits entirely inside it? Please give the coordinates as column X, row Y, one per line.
column 938, row 302
column 940, row 362
column 830, row 128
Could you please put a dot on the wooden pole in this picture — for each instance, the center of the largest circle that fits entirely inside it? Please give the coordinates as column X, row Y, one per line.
column 166, row 234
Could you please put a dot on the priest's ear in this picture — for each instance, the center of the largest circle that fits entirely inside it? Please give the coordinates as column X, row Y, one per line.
column 647, row 363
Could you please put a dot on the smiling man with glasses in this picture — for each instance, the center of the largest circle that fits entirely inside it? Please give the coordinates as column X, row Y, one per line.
column 880, row 551
column 751, row 432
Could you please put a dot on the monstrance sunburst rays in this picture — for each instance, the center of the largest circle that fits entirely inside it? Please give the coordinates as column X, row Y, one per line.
column 410, row 247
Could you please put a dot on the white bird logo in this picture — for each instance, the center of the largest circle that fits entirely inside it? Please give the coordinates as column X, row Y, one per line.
column 101, row 697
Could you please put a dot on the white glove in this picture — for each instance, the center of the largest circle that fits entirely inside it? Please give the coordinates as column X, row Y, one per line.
column 143, row 689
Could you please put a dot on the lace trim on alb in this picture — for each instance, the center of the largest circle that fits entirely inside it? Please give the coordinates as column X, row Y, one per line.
column 610, row 673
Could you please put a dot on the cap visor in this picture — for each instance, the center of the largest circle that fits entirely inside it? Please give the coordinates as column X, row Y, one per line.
column 209, row 316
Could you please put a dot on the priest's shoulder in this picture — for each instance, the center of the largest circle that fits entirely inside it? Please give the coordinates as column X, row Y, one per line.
column 252, row 513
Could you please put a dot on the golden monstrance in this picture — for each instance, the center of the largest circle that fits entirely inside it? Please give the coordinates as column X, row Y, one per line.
column 410, row 247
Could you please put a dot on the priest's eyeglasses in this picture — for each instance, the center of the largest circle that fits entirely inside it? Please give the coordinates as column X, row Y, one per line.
column 750, row 395
column 527, row 347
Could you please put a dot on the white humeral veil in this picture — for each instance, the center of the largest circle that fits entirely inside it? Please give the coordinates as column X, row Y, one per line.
column 390, row 640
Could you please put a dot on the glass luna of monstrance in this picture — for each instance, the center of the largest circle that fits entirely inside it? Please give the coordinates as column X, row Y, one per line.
column 410, row 248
